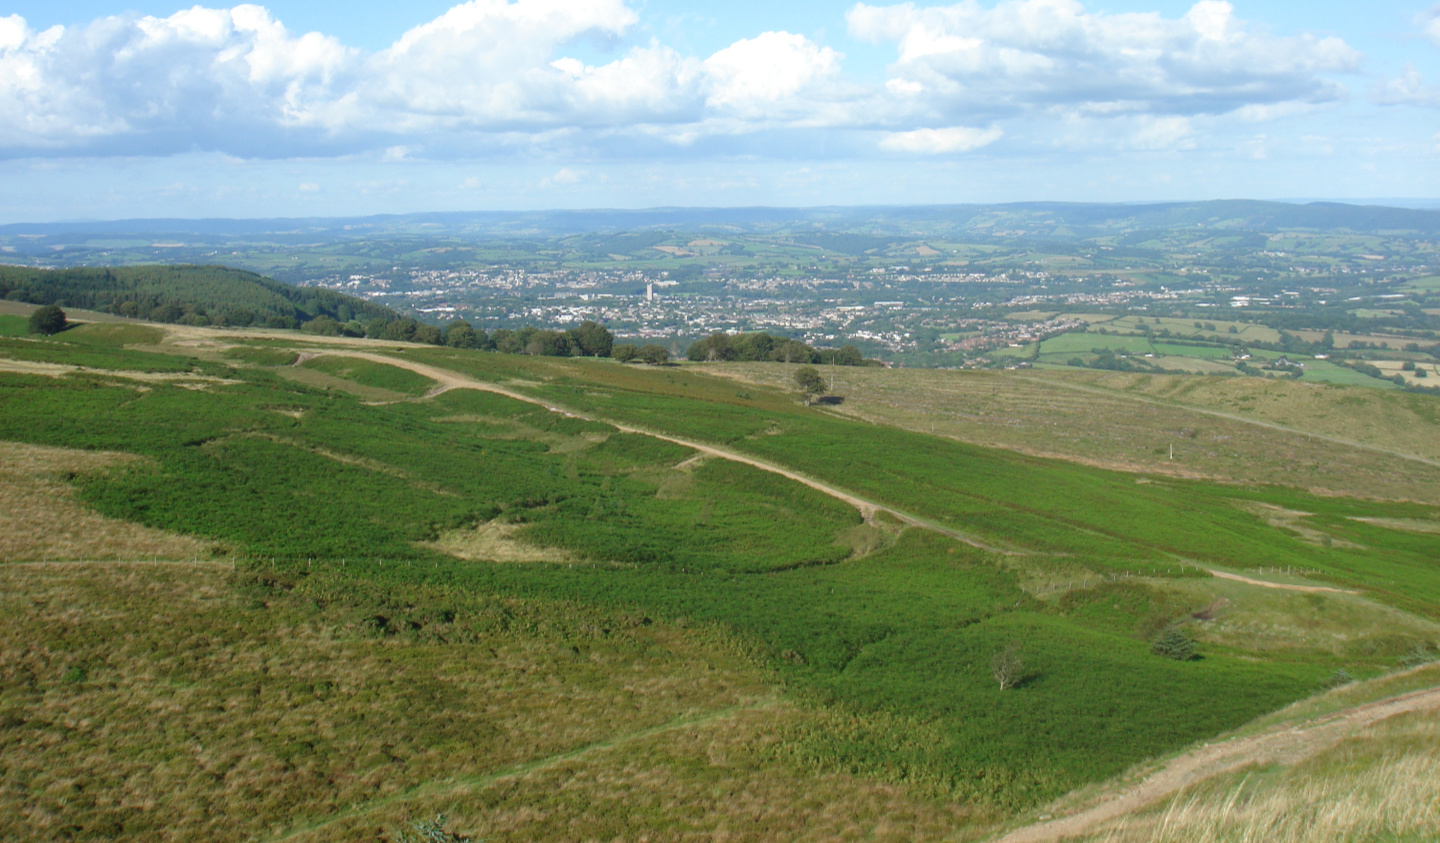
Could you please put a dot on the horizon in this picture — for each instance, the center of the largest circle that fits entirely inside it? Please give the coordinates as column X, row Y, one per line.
column 1412, row 204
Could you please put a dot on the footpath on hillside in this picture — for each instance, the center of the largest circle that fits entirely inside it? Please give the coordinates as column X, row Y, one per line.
column 868, row 509
column 1286, row 743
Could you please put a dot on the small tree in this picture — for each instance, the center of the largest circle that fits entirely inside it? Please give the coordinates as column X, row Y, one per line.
column 1173, row 643
column 809, row 381
column 654, row 354
column 47, row 320
column 1007, row 667
column 625, row 352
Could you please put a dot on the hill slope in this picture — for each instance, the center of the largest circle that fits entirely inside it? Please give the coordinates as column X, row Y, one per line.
column 200, row 295
column 570, row 598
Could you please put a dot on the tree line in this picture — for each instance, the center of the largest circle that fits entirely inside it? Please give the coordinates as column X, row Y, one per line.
column 761, row 346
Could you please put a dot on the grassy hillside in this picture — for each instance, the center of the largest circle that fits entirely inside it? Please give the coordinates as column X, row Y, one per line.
column 550, row 627
column 1329, row 439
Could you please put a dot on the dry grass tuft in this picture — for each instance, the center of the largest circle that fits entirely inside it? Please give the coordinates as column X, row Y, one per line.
column 1383, row 784
column 496, row 541
column 40, row 518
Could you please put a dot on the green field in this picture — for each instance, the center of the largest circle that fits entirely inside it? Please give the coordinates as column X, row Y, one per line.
column 710, row 584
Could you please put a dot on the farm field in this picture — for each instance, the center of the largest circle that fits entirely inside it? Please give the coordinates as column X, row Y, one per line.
column 573, row 598
column 1078, row 349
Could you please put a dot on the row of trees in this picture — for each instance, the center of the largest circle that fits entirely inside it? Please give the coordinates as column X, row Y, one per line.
column 588, row 339
column 721, row 346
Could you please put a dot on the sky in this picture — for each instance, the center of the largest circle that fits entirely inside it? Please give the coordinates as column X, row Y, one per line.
column 115, row 109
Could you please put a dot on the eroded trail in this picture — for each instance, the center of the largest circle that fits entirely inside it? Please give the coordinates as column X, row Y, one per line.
column 1312, row 589
column 1287, row 744
column 449, row 380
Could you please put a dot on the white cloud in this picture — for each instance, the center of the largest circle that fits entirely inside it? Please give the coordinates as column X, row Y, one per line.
column 564, row 177
column 1053, row 55
column 1409, row 88
column 1164, row 133
column 1429, row 23
column 773, row 66
column 502, row 75
column 179, row 81
column 937, row 141
column 485, row 64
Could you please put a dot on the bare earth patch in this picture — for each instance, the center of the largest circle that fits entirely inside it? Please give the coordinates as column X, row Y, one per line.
column 55, row 370
column 40, row 518
column 1413, row 525
column 497, row 542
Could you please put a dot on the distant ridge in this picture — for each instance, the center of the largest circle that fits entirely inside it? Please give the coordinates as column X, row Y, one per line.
column 1081, row 219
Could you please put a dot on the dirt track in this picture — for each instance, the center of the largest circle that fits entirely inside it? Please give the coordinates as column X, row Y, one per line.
column 1287, row 743
column 1313, row 589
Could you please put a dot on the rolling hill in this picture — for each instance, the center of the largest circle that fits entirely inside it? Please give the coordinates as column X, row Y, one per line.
column 367, row 583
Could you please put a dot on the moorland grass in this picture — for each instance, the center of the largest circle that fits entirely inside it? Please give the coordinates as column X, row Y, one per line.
column 370, row 373
column 887, row 653
column 1381, row 784
column 14, row 326
column 1150, row 423
column 181, row 703
column 1008, row 499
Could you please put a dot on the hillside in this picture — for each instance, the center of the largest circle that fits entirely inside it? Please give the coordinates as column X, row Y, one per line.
column 196, row 295
column 569, row 598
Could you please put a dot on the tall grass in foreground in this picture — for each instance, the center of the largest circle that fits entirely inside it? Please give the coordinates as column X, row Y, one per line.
column 1383, row 784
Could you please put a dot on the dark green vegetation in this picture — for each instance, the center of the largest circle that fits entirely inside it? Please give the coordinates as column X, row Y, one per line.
column 886, row 635
column 723, row 347
column 195, row 295
column 47, row 320
column 1088, row 516
column 368, row 373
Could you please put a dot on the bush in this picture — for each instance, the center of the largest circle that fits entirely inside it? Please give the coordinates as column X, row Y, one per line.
column 47, row 320
column 429, row 831
column 625, row 352
column 1418, row 655
column 1175, row 644
column 654, row 354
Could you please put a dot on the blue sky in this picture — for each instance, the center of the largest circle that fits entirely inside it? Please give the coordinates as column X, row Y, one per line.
column 115, row 109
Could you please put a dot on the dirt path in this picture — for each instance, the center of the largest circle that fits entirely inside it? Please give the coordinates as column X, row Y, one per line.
column 1313, row 589
column 868, row 509
column 1287, row 743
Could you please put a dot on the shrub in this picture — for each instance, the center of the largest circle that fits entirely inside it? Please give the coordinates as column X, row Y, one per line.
column 625, row 352
column 1007, row 666
column 1418, row 655
column 1175, row 644
column 428, row 831
column 47, row 320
